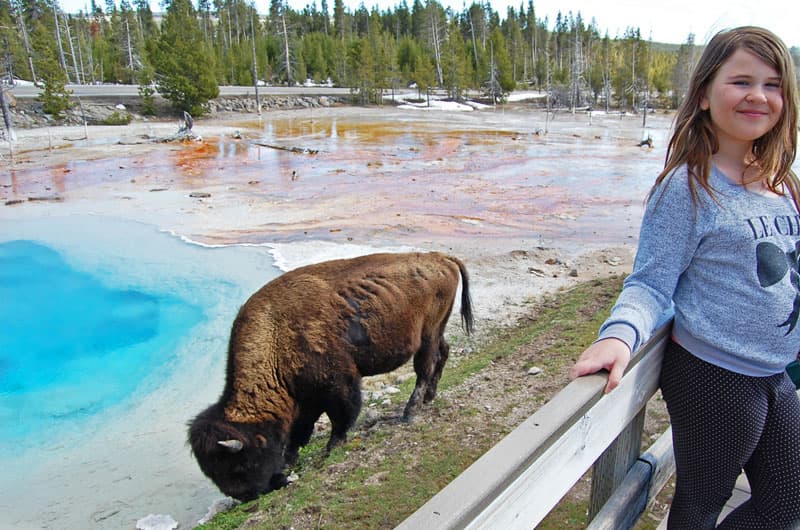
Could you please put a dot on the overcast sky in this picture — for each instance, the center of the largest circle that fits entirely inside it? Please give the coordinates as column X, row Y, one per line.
column 662, row 20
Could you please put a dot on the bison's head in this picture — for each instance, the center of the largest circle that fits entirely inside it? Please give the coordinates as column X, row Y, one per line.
column 242, row 460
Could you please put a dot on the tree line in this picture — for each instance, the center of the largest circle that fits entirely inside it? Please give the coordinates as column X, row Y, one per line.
column 191, row 49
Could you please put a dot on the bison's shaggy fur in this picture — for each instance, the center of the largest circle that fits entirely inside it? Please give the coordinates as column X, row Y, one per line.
column 300, row 346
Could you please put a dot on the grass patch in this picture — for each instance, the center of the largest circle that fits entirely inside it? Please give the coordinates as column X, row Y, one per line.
column 386, row 471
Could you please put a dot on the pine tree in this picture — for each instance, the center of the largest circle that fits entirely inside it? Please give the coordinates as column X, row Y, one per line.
column 103, row 59
column 501, row 76
column 339, row 19
column 422, row 73
column 127, row 43
column 313, row 57
column 361, row 65
column 12, row 44
column 682, row 70
column 146, row 91
column 54, row 96
column 183, row 64
column 454, row 63
column 384, row 53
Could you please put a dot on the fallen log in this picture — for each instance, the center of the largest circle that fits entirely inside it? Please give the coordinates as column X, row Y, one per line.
column 50, row 198
column 181, row 136
column 300, row 150
column 184, row 134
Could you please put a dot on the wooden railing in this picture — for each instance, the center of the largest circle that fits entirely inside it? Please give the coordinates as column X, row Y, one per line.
column 519, row 481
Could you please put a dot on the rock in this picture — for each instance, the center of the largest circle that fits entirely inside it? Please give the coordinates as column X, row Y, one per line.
column 218, row 506
column 536, row 272
column 371, row 416
column 534, row 370
column 403, row 377
column 156, row 522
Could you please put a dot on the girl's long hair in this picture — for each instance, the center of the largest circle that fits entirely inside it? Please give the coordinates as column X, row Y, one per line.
column 693, row 140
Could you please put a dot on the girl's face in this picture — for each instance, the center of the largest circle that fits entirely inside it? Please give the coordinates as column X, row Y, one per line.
column 744, row 98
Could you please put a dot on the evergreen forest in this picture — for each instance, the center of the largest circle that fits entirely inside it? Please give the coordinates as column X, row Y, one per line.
column 187, row 51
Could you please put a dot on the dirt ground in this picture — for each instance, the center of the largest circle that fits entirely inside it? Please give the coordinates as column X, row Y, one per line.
column 104, row 170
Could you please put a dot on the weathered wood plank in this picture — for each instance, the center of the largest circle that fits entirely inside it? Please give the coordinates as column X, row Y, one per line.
column 642, row 483
column 612, row 467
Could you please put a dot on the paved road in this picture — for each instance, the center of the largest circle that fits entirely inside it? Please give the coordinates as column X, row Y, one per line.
column 88, row 91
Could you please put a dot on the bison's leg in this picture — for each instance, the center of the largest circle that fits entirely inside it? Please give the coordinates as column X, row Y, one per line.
column 343, row 409
column 425, row 362
column 444, row 353
column 302, row 428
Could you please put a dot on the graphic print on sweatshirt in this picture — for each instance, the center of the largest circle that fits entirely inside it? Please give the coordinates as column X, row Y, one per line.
column 773, row 264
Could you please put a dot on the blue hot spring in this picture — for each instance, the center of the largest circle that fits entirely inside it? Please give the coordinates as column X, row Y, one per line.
column 71, row 345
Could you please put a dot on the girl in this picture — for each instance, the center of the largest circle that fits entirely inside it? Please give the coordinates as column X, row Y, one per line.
column 720, row 243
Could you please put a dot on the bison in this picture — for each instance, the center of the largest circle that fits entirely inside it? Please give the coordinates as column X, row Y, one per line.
column 300, row 346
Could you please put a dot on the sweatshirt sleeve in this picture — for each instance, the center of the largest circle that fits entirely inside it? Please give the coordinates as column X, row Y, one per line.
column 669, row 236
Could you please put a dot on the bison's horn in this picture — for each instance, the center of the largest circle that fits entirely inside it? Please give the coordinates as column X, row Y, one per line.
column 234, row 446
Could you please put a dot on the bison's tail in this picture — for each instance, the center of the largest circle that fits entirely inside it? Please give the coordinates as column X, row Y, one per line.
column 467, row 320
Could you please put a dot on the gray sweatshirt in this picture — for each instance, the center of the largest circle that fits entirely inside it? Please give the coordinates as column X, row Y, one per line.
column 728, row 268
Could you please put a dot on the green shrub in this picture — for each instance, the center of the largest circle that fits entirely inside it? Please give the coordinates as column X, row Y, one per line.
column 117, row 118
column 54, row 98
column 147, row 92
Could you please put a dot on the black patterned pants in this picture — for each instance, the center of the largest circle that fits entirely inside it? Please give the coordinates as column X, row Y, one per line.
column 723, row 423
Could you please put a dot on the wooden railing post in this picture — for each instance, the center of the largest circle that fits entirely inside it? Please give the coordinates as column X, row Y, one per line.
column 610, row 469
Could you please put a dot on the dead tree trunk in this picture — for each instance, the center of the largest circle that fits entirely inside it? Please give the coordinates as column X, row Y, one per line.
column 7, row 120
column 436, row 52
column 474, row 44
column 286, row 50
column 72, row 53
column 128, row 44
column 61, row 57
column 255, row 63
column 26, row 42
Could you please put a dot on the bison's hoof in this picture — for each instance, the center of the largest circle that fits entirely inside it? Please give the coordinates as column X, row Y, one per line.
column 335, row 441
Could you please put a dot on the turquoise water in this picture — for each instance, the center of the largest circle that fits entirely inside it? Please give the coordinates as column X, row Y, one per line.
column 71, row 345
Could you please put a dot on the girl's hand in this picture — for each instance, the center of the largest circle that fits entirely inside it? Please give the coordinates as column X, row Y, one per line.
column 607, row 354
